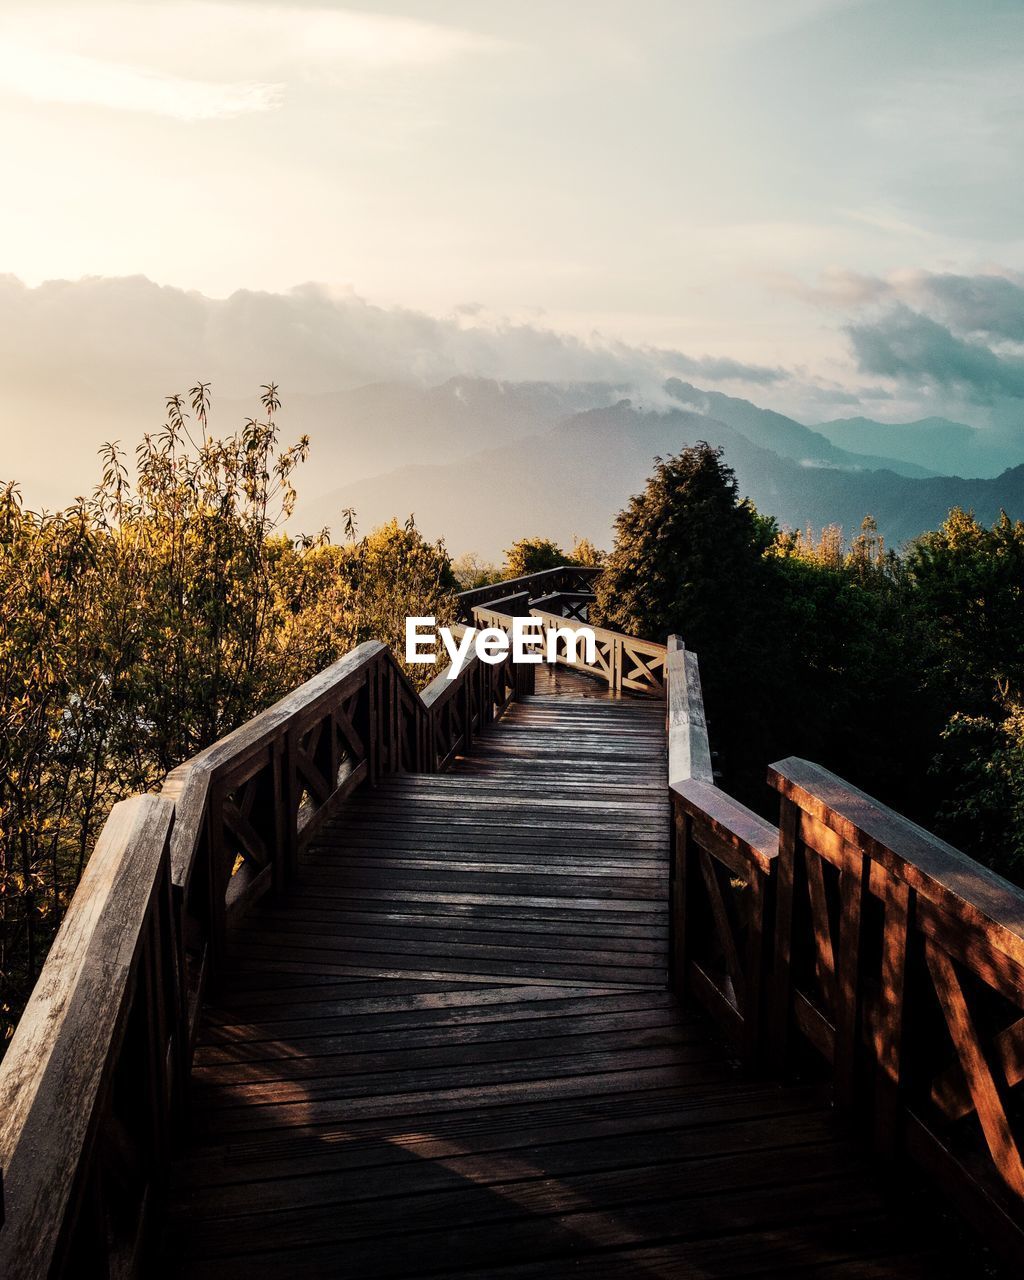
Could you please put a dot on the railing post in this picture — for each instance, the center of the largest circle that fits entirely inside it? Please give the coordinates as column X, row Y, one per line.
column 678, row 899
column 290, row 793
column 887, row 1023
column 853, row 888
column 781, row 973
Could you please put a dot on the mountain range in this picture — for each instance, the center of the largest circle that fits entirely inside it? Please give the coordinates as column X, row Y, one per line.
column 482, row 463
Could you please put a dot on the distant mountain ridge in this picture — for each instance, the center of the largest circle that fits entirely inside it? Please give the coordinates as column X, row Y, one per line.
column 952, row 448
column 784, row 435
column 572, row 478
column 369, row 429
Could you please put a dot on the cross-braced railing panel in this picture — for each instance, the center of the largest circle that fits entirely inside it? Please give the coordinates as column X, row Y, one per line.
column 578, row 580
column 899, row 961
column 243, row 811
column 723, row 864
column 622, row 662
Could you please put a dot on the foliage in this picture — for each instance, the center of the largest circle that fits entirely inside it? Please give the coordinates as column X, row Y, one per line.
column 143, row 623
column 334, row 597
column 689, row 559
column 970, row 583
column 471, row 572
column 808, row 646
column 982, row 763
column 585, row 553
column 532, row 555
column 969, row 605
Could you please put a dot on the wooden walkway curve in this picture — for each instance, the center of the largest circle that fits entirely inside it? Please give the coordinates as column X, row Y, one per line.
column 450, row 1049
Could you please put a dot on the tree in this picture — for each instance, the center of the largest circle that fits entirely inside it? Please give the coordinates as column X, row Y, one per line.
column 187, row 557
column 968, row 608
column 585, row 553
column 531, row 555
column 970, row 595
column 689, row 558
column 472, row 571
column 334, row 597
column 804, row 644
column 981, row 765
column 688, row 554
column 144, row 623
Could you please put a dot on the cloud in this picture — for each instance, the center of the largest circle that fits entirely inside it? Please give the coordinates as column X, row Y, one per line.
column 140, row 339
column 905, row 345
column 725, row 369
column 48, row 75
column 932, row 332
column 992, row 305
column 241, row 57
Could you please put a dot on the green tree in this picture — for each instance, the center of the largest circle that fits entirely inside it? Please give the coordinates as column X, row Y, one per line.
column 981, row 764
column 531, row 555
column 689, row 558
column 334, row 597
column 585, row 553
column 970, row 595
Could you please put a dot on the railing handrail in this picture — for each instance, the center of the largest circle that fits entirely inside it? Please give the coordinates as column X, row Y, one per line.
column 556, row 576
column 689, row 751
column 855, row 937
column 191, row 779
column 600, row 633
column 120, row 957
column 55, row 1073
column 930, row 865
column 614, row 649
column 63, row 1058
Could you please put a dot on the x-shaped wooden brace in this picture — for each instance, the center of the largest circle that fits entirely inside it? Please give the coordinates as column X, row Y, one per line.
column 981, row 1084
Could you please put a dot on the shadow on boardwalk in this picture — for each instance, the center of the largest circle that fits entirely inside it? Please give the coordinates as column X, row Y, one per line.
column 450, row 1050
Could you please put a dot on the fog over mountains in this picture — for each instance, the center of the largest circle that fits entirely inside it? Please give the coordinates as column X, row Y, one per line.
column 490, row 429
column 557, row 467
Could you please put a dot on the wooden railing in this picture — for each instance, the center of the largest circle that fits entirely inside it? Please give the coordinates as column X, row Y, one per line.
column 93, row 1084
column 899, row 964
column 572, row 579
column 566, row 604
column 848, row 944
column 722, row 873
column 623, row 662
column 851, row 945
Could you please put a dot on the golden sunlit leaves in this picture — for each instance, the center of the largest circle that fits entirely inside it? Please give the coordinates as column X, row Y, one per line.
column 143, row 623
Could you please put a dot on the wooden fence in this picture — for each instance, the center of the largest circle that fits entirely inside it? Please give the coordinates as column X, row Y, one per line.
column 514, row 594
column 722, row 873
column 93, row 1084
column 850, row 944
column 847, row 944
column 623, row 662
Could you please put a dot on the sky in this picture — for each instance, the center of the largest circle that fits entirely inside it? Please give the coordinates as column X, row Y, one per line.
column 817, row 201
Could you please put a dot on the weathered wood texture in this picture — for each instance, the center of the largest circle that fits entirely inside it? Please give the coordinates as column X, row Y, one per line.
column 248, row 806
column 723, row 870
column 445, row 1046
column 574, row 580
column 450, row 1050
column 625, row 664
column 104, row 1044
column 93, row 1081
column 899, row 963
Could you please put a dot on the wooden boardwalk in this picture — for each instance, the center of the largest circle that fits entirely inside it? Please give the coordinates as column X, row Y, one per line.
column 450, row 1050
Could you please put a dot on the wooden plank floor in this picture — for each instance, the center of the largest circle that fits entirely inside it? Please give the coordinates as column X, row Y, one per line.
column 451, row 1050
